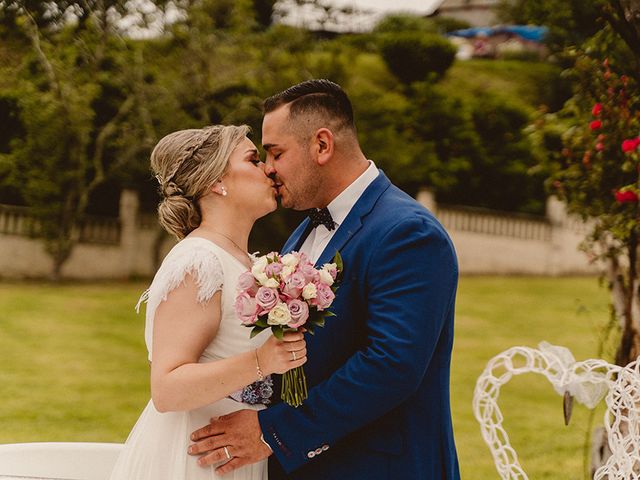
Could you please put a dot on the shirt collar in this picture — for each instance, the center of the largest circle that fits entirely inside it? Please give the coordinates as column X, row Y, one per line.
column 344, row 202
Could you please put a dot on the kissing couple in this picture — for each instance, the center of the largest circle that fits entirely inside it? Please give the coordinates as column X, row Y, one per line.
column 378, row 373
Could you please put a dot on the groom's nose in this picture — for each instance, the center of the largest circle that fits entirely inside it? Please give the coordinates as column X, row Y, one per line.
column 268, row 169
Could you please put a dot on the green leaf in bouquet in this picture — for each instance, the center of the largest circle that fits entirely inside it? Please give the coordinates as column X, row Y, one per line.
column 278, row 332
column 313, row 315
column 256, row 330
column 262, row 322
column 338, row 261
column 319, row 322
column 310, row 328
column 329, row 313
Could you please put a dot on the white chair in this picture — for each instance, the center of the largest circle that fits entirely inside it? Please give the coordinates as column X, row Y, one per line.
column 58, row 461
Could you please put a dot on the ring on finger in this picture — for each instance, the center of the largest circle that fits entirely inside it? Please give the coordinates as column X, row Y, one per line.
column 226, row 452
column 294, row 356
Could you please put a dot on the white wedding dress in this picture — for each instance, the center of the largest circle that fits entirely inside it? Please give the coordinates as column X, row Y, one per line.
column 157, row 446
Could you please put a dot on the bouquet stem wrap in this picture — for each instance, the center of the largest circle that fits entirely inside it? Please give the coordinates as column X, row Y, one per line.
column 294, row 387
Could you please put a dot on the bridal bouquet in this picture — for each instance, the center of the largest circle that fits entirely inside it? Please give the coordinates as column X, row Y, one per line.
column 287, row 293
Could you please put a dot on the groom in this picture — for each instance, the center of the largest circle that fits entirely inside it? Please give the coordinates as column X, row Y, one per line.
column 378, row 372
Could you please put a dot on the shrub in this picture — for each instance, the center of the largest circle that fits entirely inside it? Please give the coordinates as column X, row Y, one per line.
column 416, row 56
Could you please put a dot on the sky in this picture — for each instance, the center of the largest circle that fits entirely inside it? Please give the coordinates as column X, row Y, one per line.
column 374, row 8
column 419, row 6
column 302, row 18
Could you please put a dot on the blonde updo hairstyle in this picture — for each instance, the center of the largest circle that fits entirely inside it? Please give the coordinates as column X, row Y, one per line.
column 187, row 163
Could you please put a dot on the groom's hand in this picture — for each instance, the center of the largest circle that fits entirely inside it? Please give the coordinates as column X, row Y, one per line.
column 239, row 432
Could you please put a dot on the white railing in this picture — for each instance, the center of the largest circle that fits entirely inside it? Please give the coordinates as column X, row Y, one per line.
column 479, row 220
column 16, row 220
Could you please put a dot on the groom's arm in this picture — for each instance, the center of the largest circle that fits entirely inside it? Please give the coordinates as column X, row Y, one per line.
column 411, row 284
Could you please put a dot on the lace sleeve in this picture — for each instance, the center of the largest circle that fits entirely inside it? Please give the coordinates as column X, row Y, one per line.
column 185, row 259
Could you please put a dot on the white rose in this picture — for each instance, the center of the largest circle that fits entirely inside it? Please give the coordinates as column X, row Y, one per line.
column 325, row 277
column 279, row 315
column 258, row 270
column 287, row 271
column 309, row 291
column 270, row 283
column 290, row 260
column 259, row 265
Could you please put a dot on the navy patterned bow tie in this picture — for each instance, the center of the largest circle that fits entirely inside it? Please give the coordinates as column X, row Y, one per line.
column 321, row 216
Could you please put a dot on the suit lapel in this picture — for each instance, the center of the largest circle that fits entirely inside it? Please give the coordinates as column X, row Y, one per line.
column 297, row 238
column 353, row 222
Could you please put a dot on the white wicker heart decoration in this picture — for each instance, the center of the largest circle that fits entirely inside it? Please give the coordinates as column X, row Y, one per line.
column 587, row 382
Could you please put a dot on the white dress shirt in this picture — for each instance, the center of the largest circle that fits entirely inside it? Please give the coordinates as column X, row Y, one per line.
column 339, row 208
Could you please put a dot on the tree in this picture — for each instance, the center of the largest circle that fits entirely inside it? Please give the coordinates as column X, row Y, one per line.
column 570, row 22
column 76, row 92
column 593, row 164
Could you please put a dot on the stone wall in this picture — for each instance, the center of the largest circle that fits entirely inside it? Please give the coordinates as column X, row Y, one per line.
column 107, row 248
column 490, row 242
column 487, row 242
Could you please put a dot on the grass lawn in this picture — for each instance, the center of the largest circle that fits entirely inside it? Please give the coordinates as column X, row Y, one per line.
column 74, row 365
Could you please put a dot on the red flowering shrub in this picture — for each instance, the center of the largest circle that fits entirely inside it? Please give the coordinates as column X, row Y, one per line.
column 594, row 167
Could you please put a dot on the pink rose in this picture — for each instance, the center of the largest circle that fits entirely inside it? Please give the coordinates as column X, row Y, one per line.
column 324, row 297
column 273, row 269
column 246, row 309
column 267, row 298
column 294, row 285
column 299, row 312
column 247, row 283
column 309, row 272
column 332, row 268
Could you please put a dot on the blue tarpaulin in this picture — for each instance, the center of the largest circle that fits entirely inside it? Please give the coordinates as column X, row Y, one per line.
column 528, row 32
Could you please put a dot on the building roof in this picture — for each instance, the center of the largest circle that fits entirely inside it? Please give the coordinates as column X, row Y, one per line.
column 528, row 32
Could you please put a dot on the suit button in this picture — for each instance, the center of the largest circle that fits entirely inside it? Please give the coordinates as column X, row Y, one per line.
column 318, row 451
column 325, row 448
column 311, row 454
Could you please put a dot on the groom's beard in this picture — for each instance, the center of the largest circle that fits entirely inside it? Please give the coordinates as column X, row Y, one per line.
column 300, row 193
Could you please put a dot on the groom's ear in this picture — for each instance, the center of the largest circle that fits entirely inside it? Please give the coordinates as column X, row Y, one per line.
column 323, row 145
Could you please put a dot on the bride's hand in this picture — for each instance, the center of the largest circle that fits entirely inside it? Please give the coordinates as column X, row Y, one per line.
column 278, row 356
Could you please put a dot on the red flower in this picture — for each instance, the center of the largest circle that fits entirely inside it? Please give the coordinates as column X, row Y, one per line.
column 630, row 144
column 597, row 108
column 595, row 125
column 627, row 196
column 599, row 146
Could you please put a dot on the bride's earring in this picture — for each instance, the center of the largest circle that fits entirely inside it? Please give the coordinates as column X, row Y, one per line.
column 224, row 191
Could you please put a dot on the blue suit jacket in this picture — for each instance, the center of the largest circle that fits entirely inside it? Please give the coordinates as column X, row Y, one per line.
column 378, row 372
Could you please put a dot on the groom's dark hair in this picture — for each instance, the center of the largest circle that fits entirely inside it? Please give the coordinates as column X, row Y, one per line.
column 319, row 97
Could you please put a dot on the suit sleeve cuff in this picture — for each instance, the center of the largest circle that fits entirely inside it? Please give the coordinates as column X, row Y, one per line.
column 288, row 459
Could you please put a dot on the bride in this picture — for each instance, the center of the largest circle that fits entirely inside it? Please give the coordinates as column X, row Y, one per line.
column 203, row 363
